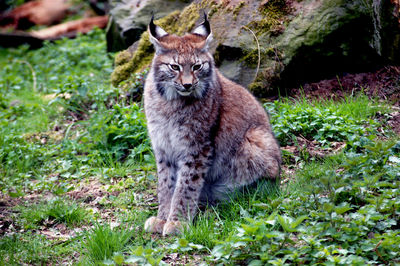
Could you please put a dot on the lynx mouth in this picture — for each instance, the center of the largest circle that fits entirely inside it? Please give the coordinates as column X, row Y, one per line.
column 184, row 93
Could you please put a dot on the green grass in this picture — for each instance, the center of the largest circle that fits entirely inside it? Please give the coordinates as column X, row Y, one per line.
column 73, row 132
column 103, row 242
column 217, row 223
column 316, row 170
column 34, row 249
column 57, row 211
column 358, row 106
column 29, row 112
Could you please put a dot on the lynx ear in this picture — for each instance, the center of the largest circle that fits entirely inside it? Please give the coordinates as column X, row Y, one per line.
column 155, row 34
column 204, row 30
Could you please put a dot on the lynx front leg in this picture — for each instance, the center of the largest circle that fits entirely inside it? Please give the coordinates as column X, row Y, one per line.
column 166, row 184
column 184, row 204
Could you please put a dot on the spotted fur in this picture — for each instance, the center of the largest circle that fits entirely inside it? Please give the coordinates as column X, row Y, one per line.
column 210, row 136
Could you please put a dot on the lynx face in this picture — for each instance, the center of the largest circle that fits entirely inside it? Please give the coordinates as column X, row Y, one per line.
column 183, row 65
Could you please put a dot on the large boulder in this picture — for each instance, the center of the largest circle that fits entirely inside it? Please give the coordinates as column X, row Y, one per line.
column 275, row 44
column 329, row 38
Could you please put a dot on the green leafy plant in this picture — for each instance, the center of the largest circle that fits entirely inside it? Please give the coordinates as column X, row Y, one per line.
column 145, row 256
column 121, row 131
column 323, row 122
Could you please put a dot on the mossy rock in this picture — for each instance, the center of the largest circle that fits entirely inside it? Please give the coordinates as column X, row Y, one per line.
column 329, row 38
column 300, row 42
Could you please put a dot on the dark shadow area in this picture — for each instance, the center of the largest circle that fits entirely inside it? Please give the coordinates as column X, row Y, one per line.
column 348, row 50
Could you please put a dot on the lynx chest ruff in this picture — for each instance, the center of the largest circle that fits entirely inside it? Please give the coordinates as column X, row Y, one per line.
column 209, row 135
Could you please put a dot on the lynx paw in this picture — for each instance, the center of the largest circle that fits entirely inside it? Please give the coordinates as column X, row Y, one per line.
column 173, row 228
column 154, row 225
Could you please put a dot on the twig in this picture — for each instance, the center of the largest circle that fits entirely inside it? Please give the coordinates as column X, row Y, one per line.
column 276, row 59
column 32, row 71
column 306, row 140
column 258, row 48
column 377, row 252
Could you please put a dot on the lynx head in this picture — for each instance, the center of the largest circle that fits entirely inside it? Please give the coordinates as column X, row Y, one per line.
column 182, row 66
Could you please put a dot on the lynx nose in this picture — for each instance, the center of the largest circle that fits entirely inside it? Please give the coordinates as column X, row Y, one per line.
column 187, row 86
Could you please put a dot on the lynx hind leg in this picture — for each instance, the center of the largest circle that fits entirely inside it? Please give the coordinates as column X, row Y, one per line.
column 259, row 156
column 154, row 225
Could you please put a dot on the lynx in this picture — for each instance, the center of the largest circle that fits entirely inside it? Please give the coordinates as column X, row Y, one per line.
column 209, row 135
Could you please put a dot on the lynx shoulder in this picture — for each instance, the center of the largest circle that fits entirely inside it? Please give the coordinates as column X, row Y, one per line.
column 209, row 135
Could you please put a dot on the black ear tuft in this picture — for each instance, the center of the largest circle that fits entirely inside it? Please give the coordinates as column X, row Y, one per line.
column 204, row 28
column 155, row 34
column 206, row 23
column 156, row 31
column 152, row 26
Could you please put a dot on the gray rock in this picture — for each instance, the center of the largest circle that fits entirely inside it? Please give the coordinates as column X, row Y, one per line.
column 328, row 38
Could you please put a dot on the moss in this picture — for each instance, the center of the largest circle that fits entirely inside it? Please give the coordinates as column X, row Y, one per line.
column 273, row 14
column 122, row 58
column 143, row 50
column 140, row 59
column 143, row 54
column 168, row 22
column 211, row 5
column 121, row 73
column 257, row 87
column 212, row 11
column 266, row 79
column 188, row 19
column 237, row 9
column 250, row 57
column 262, row 84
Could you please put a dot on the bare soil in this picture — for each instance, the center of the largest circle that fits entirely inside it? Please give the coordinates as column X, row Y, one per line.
column 90, row 193
column 383, row 83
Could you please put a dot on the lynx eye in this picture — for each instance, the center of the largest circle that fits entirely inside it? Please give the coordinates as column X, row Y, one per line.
column 196, row 67
column 174, row 67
